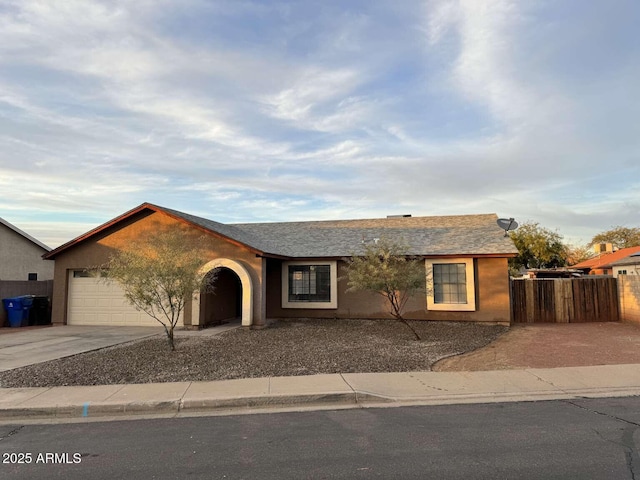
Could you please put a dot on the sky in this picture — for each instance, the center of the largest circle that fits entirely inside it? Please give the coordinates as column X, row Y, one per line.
column 256, row 111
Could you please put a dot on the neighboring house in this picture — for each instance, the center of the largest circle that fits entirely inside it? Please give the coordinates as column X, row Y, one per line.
column 21, row 255
column 629, row 265
column 293, row 269
column 601, row 265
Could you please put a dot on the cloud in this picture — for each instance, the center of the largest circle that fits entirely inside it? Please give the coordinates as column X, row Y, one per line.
column 244, row 110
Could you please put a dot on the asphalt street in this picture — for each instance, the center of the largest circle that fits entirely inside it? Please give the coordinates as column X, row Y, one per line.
column 563, row 439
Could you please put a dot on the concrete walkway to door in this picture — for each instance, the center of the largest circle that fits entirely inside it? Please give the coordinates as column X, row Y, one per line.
column 26, row 346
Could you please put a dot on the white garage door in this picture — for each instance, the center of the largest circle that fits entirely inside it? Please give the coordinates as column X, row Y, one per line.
column 93, row 301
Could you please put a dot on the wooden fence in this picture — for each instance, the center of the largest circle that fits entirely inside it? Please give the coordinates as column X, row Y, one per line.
column 564, row 300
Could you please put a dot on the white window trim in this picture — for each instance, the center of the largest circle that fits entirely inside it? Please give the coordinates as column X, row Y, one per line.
column 470, row 306
column 333, row 303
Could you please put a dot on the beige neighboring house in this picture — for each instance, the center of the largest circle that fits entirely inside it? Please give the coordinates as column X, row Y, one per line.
column 21, row 255
column 629, row 265
column 293, row 269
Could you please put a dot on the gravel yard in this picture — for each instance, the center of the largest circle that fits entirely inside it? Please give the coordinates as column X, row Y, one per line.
column 287, row 348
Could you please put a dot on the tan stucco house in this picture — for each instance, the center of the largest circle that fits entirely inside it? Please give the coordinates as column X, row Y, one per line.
column 21, row 255
column 293, row 269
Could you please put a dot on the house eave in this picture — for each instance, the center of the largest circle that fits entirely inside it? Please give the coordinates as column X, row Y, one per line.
column 139, row 209
column 33, row 240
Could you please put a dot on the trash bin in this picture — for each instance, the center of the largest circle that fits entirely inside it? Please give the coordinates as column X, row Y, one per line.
column 18, row 310
column 39, row 313
column 27, row 303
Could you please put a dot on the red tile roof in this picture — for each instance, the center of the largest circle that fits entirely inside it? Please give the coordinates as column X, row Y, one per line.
column 604, row 259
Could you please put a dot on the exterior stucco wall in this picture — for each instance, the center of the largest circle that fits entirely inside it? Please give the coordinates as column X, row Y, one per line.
column 491, row 286
column 632, row 269
column 629, row 298
column 98, row 249
column 19, row 257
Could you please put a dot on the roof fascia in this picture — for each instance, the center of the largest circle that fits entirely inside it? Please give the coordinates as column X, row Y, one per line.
column 145, row 206
column 453, row 255
column 65, row 246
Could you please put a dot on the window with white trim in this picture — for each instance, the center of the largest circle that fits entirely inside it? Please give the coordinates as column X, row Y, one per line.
column 309, row 284
column 450, row 284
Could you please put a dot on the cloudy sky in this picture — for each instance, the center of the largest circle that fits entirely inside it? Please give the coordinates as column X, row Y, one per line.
column 241, row 111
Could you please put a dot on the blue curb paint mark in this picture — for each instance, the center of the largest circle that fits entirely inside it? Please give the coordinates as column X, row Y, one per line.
column 85, row 410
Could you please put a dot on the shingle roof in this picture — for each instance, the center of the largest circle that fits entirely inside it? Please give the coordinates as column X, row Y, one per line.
column 229, row 231
column 429, row 236
column 443, row 235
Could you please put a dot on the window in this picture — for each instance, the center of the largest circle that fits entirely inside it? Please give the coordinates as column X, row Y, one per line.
column 33, row 277
column 450, row 284
column 88, row 274
column 309, row 285
column 622, row 272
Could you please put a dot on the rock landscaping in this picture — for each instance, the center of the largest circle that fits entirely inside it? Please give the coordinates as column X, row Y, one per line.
column 286, row 348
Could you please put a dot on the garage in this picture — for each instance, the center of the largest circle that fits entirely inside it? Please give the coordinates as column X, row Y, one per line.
column 94, row 301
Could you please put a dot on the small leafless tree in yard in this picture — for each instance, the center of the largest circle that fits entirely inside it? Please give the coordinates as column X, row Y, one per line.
column 385, row 268
column 159, row 272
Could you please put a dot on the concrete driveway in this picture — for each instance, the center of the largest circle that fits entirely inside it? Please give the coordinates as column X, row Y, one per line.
column 35, row 345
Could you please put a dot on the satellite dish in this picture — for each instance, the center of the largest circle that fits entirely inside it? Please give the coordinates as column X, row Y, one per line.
column 507, row 224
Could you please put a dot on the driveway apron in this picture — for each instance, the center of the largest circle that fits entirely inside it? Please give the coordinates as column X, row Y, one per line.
column 21, row 348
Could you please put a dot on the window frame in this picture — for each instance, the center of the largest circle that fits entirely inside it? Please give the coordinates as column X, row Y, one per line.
column 470, row 305
column 333, row 287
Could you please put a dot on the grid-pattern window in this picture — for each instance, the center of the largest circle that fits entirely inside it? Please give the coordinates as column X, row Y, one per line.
column 449, row 283
column 309, row 283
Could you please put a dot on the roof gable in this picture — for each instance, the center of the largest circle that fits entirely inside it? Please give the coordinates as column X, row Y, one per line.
column 210, row 226
column 24, row 234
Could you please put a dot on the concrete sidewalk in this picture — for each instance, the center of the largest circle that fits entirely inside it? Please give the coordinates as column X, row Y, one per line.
column 318, row 391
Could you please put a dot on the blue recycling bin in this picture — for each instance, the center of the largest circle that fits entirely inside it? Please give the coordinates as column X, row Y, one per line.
column 18, row 309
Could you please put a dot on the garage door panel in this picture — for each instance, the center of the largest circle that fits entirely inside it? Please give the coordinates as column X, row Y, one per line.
column 94, row 301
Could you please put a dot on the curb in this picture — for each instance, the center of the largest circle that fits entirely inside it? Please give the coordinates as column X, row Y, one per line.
column 179, row 406
column 255, row 404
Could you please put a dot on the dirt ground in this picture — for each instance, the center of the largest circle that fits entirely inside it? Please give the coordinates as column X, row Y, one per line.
column 553, row 345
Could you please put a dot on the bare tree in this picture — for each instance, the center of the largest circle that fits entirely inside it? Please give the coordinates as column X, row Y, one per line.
column 159, row 273
column 386, row 269
column 578, row 254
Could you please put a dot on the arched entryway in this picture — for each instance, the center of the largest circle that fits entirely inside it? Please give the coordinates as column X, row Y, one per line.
column 232, row 296
column 221, row 298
